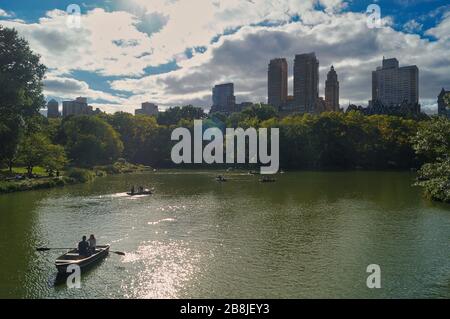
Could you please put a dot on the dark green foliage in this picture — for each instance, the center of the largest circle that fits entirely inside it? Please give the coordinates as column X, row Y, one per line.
column 21, row 97
column 433, row 143
column 89, row 141
column 174, row 115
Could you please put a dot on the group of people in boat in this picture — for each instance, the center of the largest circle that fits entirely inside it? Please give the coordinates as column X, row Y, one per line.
column 87, row 247
column 140, row 190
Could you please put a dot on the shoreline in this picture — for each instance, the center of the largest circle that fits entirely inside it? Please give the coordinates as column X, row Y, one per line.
column 74, row 176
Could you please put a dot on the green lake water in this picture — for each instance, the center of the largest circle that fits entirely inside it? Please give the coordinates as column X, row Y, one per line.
column 308, row 235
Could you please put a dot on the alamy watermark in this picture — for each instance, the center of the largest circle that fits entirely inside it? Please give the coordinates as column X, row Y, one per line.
column 374, row 17
column 74, row 279
column 374, row 279
column 73, row 20
column 258, row 145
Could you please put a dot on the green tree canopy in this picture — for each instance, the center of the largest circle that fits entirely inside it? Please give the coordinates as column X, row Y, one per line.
column 90, row 140
column 21, row 76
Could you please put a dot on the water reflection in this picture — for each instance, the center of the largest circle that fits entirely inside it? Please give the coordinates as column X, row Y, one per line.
column 161, row 269
column 310, row 234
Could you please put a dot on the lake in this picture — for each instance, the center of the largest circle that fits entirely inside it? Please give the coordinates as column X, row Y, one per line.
column 308, row 235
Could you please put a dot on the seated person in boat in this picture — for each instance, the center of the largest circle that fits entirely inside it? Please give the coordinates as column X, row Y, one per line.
column 133, row 190
column 83, row 247
column 92, row 243
column 141, row 189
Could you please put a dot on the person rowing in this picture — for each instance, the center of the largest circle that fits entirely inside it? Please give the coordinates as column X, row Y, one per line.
column 83, row 247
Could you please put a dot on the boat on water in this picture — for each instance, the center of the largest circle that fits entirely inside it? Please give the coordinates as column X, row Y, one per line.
column 143, row 192
column 73, row 258
column 220, row 178
column 267, row 180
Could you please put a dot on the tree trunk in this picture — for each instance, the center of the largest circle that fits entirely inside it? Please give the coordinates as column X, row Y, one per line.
column 10, row 166
column 30, row 171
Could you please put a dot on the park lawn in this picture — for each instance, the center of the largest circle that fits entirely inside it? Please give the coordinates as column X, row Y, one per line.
column 23, row 170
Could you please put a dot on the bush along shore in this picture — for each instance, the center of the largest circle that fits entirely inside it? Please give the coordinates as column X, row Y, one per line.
column 71, row 176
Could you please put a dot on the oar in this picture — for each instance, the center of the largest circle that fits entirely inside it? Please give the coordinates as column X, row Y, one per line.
column 47, row 249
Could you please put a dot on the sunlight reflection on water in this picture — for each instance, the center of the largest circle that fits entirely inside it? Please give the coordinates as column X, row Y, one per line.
column 161, row 269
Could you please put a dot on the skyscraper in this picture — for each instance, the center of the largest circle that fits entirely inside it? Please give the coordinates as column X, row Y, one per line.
column 393, row 85
column 77, row 107
column 306, row 82
column 277, row 80
column 332, row 91
column 223, row 98
column 147, row 108
column 53, row 109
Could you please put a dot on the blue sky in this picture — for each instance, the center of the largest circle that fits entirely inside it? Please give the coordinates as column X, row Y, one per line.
column 172, row 52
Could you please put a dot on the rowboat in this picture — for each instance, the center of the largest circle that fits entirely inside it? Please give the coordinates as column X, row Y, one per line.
column 144, row 192
column 220, row 178
column 73, row 258
column 267, row 180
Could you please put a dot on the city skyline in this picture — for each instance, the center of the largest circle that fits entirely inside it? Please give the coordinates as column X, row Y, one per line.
column 130, row 60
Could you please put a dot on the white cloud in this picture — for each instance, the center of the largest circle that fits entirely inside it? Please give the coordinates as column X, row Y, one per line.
column 4, row 14
column 141, row 33
column 243, row 57
column 68, row 88
column 412, row 26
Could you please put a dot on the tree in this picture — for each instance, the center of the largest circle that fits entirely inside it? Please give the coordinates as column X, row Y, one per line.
column 33, row 150
column 173, row 115
column 90, row 140
column 55, row 158
column 21, row 76
column 433, row 142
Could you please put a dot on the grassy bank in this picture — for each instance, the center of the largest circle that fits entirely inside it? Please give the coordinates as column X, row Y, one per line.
column 70, row 176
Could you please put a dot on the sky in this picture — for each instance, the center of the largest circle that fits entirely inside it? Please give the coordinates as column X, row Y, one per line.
column 172, row 52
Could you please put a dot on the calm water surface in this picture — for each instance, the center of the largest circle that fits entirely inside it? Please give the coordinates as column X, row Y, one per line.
column 308, row 235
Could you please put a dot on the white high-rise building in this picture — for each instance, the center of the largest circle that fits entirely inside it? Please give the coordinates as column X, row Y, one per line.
column 394, row 85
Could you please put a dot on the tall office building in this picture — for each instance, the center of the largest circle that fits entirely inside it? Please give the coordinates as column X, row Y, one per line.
column 332, row 91
column 443, row 106
column 53, row 109
column 77, row 107
column 147, row 108
column 393, row 85
column 306, row 82
column 223, row 98
column 277, row 82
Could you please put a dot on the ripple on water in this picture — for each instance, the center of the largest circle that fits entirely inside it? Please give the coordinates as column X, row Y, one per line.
column 161, row 270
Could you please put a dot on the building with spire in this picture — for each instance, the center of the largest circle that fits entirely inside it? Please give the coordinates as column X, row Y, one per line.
column 332, row 91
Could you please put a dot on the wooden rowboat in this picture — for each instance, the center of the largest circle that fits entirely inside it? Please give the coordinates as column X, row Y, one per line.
column 73, row 258
column 144, row 192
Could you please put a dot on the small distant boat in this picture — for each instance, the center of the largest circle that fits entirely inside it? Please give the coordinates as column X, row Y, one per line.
column 267, row 180
column 73, row 258
column 253, row 173
column 220, row 178
column 144, row 192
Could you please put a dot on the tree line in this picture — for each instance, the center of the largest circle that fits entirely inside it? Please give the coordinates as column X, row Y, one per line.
column 333, row 140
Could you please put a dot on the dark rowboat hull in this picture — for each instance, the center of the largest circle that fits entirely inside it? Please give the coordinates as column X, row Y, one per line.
column 72, row 258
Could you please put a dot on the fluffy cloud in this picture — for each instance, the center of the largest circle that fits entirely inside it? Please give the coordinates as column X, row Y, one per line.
column 69, row 88
column 242, row 58
column 237, row 37
column 4, row 14
column 107, row 42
